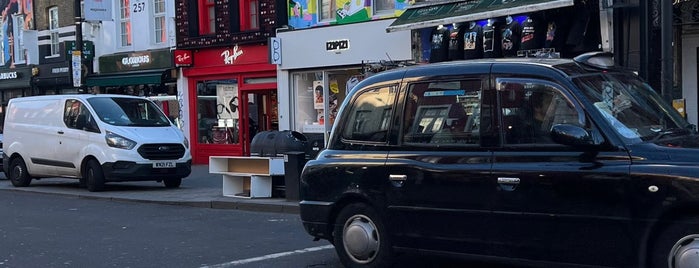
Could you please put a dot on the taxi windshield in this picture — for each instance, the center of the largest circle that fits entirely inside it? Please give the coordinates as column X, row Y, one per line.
column 632, row 107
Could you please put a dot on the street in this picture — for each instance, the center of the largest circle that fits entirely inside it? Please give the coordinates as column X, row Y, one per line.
column 44, row 230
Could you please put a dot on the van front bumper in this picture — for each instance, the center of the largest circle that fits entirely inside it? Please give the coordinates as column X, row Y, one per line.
column 131, row 171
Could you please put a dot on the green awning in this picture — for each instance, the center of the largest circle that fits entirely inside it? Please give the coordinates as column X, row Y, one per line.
column 431, row 15
column 124, row 79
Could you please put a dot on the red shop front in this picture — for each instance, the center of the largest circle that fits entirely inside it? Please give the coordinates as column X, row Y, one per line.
column 232, row 96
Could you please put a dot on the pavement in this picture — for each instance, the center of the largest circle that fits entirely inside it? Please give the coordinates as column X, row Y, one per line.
column 200, row 189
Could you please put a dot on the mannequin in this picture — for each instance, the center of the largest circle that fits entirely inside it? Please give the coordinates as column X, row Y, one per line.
column 456, row 42
column 473, row 41
column 439, row 44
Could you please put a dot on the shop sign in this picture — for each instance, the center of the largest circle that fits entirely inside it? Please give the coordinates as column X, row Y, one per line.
column 88, row 52
column 230, row 55
column 134, row 61
column 337, row 45
column 183, row 57
column 60, row 70
column 9, row 75
column 275, row 50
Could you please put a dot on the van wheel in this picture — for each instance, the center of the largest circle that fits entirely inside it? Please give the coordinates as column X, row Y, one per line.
column 361, row 239
column 172, row 182
column 677, row 245
column 94, row 177
column 19, row 176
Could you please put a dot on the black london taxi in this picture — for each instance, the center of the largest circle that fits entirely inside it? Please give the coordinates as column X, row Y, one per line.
column 548, row 162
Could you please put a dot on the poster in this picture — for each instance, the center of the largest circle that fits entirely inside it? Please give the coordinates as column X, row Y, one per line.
column 318, row 98
column 227, row 103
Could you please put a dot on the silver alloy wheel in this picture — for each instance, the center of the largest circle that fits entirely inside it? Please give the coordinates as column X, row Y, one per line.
column 361, row 239
column 685, row 253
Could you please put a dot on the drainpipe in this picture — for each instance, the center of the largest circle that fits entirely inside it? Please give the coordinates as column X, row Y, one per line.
column 666, row 71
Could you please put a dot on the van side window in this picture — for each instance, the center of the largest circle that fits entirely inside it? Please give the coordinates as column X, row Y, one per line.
column 443, row 113
column 530, row 108
column 370, row 116
column 77, row 116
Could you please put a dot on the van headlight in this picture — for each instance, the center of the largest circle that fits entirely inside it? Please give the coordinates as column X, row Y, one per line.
column 117, row 141
column 186, row 142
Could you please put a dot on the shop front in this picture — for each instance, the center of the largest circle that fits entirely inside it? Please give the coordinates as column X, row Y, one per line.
column 142, row 73
column 232, row 95
column 320, row 65
column 54, row 78
column 460, row 30
column 15, row 82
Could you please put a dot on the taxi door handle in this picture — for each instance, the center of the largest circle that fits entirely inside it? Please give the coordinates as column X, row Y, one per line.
column 397, row 180
column 508, row 183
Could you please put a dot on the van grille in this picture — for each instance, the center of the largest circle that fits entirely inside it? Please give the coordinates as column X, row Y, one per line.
column 161, row 151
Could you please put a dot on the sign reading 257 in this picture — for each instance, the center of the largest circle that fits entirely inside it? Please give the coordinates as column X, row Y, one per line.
column 139, row 7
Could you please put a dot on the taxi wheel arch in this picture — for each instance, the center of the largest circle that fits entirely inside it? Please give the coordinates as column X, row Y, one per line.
column 673, row 240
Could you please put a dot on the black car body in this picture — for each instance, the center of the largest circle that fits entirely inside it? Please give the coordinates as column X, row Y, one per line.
column 609, row 178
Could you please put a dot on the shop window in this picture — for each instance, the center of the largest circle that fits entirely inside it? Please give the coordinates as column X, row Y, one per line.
column 327, row 10
column 207, row 17
column 159, row 29
column 124, row 23
column 53, row 30
column 218, row 112
column 250, row 15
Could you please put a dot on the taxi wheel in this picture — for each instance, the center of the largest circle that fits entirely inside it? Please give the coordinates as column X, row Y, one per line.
column 94, row 177
column 172, row 182
column 361, row 239
column 677, row 246
column 19, row 176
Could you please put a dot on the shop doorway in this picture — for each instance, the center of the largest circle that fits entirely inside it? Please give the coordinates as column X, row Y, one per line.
column 261, row 108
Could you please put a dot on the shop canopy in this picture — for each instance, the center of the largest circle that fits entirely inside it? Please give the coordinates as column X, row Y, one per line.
column 125, row 79
column 442, row 13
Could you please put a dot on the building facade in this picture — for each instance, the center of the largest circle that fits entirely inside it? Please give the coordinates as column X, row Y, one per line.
column 231, row 88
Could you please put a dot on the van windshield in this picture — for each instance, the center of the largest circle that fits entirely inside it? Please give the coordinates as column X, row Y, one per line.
column 632, row 107
column 128, row 112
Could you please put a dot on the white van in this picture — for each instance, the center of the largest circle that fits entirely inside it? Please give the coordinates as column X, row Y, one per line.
column 94, row 138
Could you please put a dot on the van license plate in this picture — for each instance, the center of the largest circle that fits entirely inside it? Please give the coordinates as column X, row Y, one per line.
column 164, row 165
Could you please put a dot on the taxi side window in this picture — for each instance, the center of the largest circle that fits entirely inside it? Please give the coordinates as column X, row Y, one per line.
column 371, row 114
column 529, row 109
column 443, row 113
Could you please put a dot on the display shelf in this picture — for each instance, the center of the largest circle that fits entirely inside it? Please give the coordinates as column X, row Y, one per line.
column 247, row 176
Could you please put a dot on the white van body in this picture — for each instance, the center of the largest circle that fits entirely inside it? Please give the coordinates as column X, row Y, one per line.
column 95, row 138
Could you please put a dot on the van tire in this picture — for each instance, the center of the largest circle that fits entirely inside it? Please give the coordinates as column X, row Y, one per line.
column 172, row 182
column 94, row 177
column 19, row 175
column 365, row 224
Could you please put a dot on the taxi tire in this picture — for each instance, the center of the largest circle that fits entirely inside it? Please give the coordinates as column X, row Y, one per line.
column 18, row 173
column 364, row 222
column 94, row 176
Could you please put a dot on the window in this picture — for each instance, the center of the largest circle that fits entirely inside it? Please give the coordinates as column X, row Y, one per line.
column 327, row 10
column 19, row 51
column 159, row 21
column 443, row 113
column 370, row 115
column 250, row 15
column 530, row 108
column 77, row 116
column 53, row 30
column 124, row 23
column 384, row 6
column 218, row 110
column 207, row 17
